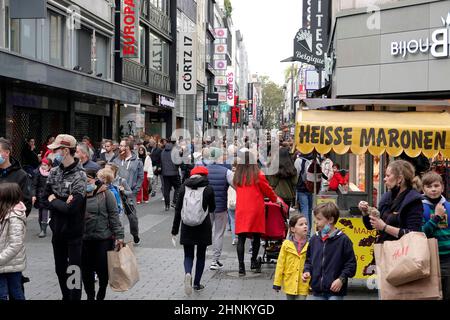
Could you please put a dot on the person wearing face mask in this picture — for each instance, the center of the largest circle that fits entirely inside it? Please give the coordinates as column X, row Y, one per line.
column 66, row 194
column 330, row 259
column 103, row 230
column 400, row 208
column 38, row 194
column 11, row 171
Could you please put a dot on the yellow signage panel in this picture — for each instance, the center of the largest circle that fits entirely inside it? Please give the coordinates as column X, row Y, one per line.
column 363, row 241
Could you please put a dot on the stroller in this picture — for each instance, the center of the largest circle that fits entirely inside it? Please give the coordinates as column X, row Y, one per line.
column 276, row 230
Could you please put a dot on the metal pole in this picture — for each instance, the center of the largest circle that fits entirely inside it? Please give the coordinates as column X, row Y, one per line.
column 292, row 91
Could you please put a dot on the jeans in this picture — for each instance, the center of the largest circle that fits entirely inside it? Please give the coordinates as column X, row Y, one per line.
column 134, row 224
column 189, row 261
column 219, row 223
column 324, row 297
column 294, row 297
column 95, row 261
column 305, row 200
column 68, row 253
column 445, row 279
column 232, row 220
column 43, row 215
column 169, row 182
column 11, row 285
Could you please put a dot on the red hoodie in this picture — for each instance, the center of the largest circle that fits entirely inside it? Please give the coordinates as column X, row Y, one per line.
column 337, row 180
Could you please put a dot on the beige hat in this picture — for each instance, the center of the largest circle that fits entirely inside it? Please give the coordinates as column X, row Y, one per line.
column 63, row 141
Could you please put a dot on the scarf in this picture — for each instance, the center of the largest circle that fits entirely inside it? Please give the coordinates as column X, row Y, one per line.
column 434, row 201
column 299, row 244
column 43, row 172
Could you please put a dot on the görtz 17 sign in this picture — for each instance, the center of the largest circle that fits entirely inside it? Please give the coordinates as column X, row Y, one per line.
column 129, row 28
column 187, row 68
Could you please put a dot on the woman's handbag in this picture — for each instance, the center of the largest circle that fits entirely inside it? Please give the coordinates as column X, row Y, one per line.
column 128, row 206
column 122, row 268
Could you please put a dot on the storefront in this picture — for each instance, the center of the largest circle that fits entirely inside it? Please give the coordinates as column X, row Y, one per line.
column 398, row 52
column 157, row 111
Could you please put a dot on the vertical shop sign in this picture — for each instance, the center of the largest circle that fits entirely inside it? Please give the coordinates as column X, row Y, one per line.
column 230, row 86
column 129, row 29
column 187, row 75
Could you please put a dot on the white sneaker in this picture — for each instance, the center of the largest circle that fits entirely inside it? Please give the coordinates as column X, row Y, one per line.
column 162, row 199
column 234, row 242
column 215, row 265
column 188, row 284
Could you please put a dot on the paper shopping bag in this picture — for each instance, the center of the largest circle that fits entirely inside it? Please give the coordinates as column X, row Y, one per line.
column 428, row 288
column 406, row 259
column 122, row 268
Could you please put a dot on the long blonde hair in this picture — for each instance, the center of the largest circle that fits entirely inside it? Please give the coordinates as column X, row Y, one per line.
column 402, row 168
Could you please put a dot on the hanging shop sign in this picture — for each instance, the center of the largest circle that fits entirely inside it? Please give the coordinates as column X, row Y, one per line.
column 230, row 87
column 187, row 69
column 166, row 102
column 129, row 29
column 221, row 33
column 377, row 132
column 220, row 81
column 311, row 41
column 222, row 96
column 220, row 48
column 437, row 46
column 212, row 99
column 220, row 64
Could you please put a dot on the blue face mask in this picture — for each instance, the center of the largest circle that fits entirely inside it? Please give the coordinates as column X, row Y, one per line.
column 325, row 230
column 90, row 188
column 59, row 157
column 2, row 160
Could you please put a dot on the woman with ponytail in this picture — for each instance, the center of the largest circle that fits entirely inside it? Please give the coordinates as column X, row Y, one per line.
column 401, row 209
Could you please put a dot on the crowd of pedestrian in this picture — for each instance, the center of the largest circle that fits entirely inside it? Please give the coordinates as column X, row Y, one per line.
column 83, row 194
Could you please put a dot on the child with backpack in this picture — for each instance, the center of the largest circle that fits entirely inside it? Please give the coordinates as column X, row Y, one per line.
column 12, row 241
column 291, row 260
column 330, row 259
column 195, row 203
column 435, row 216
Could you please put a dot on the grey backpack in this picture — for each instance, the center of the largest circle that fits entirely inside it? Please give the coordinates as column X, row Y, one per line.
column 192, row 212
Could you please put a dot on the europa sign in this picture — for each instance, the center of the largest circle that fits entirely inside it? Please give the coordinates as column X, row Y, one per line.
column 437, row 46
column 129, row 29
column 187, row 68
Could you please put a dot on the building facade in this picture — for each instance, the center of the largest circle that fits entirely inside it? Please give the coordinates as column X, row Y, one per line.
column 153, row 71
column 57, row 71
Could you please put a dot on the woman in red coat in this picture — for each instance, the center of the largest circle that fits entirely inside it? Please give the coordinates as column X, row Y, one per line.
column 251, row 188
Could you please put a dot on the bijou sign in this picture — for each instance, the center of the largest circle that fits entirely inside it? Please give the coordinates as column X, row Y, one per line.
column 437, row 46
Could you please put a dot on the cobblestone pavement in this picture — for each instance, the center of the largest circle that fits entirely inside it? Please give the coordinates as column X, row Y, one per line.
column 161, row 267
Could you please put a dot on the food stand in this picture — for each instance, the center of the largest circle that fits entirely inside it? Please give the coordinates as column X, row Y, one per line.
column 374, row 133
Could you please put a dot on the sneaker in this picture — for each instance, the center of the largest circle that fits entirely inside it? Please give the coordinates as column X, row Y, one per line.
column 136, row 239
column 234, row 242
column 241, row 269
column 42, row 234
column 146, row 201
column 188, row 284
column 215, row 265
column 138, row 202
column 198, row 288
column 162, row 199
column 167, row 208
column 173, row 205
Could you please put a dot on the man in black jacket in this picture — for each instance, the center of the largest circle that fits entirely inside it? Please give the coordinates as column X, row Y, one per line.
column 66, row 192
column 11, row 171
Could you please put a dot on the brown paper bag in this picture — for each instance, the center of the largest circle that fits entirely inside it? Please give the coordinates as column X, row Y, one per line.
column 406, row 259
column 424, row 289
column 122, row 268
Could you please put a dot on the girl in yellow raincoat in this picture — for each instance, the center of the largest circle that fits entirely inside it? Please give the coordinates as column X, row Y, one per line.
column 291, row 260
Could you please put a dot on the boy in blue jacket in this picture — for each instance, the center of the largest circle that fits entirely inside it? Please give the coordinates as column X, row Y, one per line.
column 435, row 217
column 330, row 259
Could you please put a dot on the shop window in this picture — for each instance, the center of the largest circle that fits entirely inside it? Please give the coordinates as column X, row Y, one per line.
column 162, row 5
column 142, row 44
column 56, row 38
column 84, row 60
column 159, row 54
column 102, row 56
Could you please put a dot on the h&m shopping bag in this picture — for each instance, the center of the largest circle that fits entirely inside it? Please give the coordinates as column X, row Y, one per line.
column 406, row 259
column 428, row 288
column 122, row 268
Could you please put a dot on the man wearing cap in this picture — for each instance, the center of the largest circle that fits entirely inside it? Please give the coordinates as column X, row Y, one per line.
column 220, row 178
column 66, row 194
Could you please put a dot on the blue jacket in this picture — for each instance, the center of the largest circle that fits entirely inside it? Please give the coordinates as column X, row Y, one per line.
column 217, row 176
column 329, row 260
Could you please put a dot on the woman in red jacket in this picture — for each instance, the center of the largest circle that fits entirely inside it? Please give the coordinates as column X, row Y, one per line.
column 251, row 188
column 340, row 177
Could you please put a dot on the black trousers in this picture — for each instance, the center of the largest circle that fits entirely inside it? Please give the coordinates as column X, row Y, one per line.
column 169, row 182
column 240, row 248
column 67, row 253
column 95, row 260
